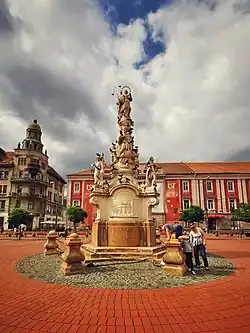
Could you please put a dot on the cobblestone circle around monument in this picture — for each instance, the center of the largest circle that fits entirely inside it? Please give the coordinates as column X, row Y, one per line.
column 119, row 274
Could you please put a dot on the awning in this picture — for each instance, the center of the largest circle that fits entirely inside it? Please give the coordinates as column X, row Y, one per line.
column 217, row 216
column 53, row 222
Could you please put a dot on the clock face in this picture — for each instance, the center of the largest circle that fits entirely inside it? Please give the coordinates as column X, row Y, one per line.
column 171, row 186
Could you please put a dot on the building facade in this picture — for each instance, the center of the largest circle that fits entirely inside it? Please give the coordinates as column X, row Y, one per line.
column 28, row 181
column 216, row 187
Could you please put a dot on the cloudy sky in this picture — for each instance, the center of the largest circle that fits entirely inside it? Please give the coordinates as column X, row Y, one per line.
column 187, row 62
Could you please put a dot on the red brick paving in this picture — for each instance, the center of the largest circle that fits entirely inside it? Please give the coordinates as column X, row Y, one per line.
column 30, row 306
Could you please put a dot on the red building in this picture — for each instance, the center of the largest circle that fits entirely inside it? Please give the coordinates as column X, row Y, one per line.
column 216, row 187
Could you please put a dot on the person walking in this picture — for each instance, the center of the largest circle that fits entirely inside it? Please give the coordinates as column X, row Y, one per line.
column 198, row 241
column 188, row 251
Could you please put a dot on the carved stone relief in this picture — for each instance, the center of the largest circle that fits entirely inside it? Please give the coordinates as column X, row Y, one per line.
column 123, row 204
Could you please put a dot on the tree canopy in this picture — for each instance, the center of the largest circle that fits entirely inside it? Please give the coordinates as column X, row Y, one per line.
column 19, row 216
column 192, row 214
column 241, row 213
column 76, row 215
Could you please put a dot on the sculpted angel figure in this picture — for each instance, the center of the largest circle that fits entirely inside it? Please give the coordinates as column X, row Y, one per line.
column 99, row 169
column 150, row 172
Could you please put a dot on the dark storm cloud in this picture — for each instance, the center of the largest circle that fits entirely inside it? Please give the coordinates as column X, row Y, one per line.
column 36, row 89
column 241, row 156
column 6, row 20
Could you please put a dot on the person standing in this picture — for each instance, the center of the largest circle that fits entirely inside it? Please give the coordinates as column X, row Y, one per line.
column 187, row 250
column 198, row 241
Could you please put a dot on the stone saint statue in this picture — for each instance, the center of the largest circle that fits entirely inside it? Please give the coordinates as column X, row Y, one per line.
column 124, row 100
column 150, row 172
column 99, row 169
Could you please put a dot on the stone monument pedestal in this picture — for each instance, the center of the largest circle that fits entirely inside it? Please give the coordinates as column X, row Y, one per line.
column 73, row 257
column 51, row 247
column 106, row 253
column 174, row 258
column 118, row 233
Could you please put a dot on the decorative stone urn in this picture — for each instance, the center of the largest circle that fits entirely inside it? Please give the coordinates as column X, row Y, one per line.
column 174, row 258
column 72, row 256
column 51, row 246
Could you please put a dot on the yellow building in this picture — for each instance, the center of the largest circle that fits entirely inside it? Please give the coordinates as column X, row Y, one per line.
column 28, row 181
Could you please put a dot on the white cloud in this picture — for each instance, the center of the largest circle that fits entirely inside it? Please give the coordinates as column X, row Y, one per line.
column 194, row 107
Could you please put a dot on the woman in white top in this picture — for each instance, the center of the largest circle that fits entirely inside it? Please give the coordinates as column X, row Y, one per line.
column 198, row 241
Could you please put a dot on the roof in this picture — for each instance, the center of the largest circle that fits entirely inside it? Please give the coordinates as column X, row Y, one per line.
column 7, row 158
column 55, row 174
column 34, row 126
column 174, row 168
column 219, row 167
column 181, row 168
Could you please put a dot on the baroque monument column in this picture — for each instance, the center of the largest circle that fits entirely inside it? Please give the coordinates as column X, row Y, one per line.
column 123, row 224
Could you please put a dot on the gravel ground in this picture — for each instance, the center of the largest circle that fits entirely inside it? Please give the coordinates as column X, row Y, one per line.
column 119, row 275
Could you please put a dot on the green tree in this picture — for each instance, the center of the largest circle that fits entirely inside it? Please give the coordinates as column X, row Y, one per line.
column 192, row 214
column 76, row 215
column 241, row 213
column 19, row 216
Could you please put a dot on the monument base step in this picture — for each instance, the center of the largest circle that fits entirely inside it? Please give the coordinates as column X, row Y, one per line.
column 103, row 253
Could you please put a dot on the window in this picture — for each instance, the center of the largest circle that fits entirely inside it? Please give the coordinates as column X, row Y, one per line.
column 22, row 161
column 30, row 205
column 76, row 203
column 186, row 203
column 55, row 197
column 232, row 204
column 4, row 175
column 210, row 204
column 76, row 187
column 19, row 189
column 49, row 195
column 185, row 186
column 230, row 186
column 209, row 187
column 2, row 204
column 34, row 161
column 3, row 189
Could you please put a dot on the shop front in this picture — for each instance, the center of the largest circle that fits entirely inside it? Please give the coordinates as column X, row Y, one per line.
column 217, row 222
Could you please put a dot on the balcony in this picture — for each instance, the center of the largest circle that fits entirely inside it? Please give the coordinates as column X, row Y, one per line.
column 35, row 211
column 28, row 195
column 22, row 179
column 2, row 209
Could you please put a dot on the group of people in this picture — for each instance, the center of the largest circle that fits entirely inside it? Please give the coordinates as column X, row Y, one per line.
column 193, row 242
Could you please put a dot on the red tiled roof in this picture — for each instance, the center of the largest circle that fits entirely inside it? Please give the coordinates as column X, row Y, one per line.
column 174, row 168
column 219, row 167
column 8, row 158
column 182, row 168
